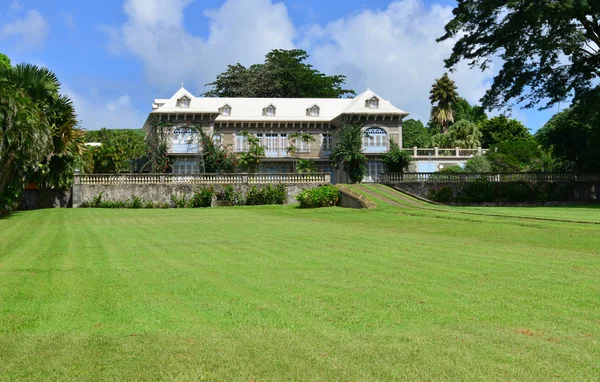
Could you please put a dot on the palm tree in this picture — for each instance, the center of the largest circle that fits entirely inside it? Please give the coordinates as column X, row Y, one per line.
column 347, row 154
column 295, row 139
column 443, row 96
column 462, row 134
column 25, row 139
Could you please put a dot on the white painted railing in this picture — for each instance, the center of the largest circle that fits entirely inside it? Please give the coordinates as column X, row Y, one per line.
column 437, row 177
column 437, row 152
column 288, row 178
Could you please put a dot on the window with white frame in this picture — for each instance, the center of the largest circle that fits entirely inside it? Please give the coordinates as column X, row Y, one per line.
column 185, row 167
column 184, row 141
column 313, row 111
column 375, row 140
column 327, row 142
column 183, row 102
column 226, row 111
column 240, row 143
column 373, row 103
column 269, row 111
column 301, row 145
column 217, row 139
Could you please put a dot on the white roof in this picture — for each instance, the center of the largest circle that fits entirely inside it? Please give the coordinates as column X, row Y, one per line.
column 287, row 109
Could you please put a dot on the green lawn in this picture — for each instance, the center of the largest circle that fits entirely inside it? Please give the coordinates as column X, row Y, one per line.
column 278, row 293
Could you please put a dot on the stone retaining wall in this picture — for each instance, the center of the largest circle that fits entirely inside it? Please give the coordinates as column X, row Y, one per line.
column 161, row 193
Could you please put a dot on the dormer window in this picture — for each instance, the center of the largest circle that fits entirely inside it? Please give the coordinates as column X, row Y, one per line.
column 373, row 103
column 269, row 111
column 313, row 111
column 183, row 102
column 226, row 111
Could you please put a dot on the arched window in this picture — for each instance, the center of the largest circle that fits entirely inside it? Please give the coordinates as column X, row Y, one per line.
column 313, row 111
column 226, row 111
column 269, row 111
column 375, row 140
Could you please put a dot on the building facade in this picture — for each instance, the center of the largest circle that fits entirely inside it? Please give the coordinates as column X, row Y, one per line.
column 273, row 122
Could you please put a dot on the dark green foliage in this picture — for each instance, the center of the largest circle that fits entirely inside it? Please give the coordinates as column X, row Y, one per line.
column 119, row 152
column 347, row 154
column 284, row 74
column 478, row 191
column 305, row 165
column 396, row 159
column 464, row 111
column 573, row 136
column 463, row 134
column 523, row 155
column 548, row 49
column 270, row 194
column 324, row 196
column 501, row 129
column 443, row 97
column 453, row 169
column 4, row 61
column 415, row 134
column 179, row 201
column 443, row 195
column 478, row 164
column 230, row 196
column 202, row 198
column 216, row 158
column 158, row 160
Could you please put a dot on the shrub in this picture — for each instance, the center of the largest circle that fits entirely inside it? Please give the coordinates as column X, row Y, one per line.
column 478, row 164
column 452, row 169
column 178, row 202
column 96, row 201
column 230, row 196
column 443, row 195
column 201, row 198
column 136, row 202
column 266, row 195
column 324, row 196
column 478, row 191
column 396, row 159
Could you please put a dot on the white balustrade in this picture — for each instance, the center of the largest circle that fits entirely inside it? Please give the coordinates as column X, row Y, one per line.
column 118, row 179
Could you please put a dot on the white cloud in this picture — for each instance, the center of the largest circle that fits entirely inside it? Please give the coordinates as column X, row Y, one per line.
column 118, row 113
column 69, row 21
column 240, row 31
column 30, row 31
column 15, row 6
column 392, row 50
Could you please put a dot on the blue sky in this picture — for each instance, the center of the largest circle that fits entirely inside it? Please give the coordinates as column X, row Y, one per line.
column 115, row 56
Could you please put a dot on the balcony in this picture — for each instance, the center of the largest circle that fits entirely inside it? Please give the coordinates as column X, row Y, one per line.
column 185, row 149
column 375, row 149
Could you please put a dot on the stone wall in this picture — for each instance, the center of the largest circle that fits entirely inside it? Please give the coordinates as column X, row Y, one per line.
column 161, row 193
column 53, row 199
column 572, row 192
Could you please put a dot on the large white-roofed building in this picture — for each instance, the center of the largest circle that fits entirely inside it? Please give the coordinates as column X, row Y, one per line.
column 273, row 120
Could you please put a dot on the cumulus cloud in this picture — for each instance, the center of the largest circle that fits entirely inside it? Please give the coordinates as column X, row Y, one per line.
column 29, row 31
column 240, row 31
column 117, row 113
column 392, row 50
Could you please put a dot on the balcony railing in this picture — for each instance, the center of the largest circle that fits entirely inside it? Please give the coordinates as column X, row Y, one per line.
column 438, row 152
column 183, row 148
column 287, row 178
column 436, row 177
column 375, row 149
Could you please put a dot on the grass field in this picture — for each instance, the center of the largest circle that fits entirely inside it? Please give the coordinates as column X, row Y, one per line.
column 278, row 293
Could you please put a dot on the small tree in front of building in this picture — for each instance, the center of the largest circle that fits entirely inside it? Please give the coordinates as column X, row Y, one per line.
column 249, row 161
column 396, row 159
column 347, row 154
column 294, row 141
column 215, row 157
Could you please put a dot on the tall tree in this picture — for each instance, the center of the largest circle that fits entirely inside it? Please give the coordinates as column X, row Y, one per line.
column 443, row 97
column 25, row 139
column 463, row 110
column 4, row 61
column 501, row 129
column 573, row 139
column 347, row 154
column 284, row 74
column 463, row 134
column 549, row 48
column 415, row 134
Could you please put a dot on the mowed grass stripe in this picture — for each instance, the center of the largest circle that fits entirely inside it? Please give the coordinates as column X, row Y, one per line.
column 277, row 292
